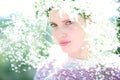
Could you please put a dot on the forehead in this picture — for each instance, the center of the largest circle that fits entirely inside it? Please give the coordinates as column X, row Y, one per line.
column 61, row 16
column 58, row 15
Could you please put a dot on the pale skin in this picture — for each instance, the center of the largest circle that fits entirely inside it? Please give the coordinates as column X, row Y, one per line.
column 69, row 34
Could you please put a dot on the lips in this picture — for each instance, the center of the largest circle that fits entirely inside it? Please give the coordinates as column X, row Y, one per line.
column 64, row 43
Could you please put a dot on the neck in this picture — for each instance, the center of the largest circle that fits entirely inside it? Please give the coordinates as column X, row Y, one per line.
column 83, row 53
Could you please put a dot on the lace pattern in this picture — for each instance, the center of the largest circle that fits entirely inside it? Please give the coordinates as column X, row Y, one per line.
column 76, row 70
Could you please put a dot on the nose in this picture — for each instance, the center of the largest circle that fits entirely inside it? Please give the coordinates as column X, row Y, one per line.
column 62, row 32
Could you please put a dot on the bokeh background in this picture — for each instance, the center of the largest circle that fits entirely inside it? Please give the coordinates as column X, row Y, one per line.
column 24, row 41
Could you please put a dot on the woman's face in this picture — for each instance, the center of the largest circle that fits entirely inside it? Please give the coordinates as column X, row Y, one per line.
column 68, row 33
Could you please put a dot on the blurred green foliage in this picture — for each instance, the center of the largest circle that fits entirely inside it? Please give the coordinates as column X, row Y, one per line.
column 118, row 25
column 6, row 73
column 24, row 42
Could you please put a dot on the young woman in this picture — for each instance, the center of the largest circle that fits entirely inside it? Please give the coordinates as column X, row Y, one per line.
column 78, row 60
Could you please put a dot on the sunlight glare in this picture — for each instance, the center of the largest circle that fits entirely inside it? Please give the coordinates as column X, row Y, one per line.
column 16, row 6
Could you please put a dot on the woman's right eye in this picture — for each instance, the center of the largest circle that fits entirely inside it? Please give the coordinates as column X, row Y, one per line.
column 53, row 25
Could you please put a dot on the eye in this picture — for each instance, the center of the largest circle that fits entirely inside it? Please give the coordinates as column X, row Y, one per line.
column 53, row 25
column 69, row 22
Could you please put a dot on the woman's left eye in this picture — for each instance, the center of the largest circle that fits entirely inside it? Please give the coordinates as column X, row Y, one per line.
column 68, row 22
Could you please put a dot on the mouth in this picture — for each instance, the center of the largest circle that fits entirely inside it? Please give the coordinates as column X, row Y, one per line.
column 64, row 43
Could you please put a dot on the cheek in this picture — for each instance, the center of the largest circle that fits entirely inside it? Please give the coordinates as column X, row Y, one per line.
column 55, row 36
column 78, row 35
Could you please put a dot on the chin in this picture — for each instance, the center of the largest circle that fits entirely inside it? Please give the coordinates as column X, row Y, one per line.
column 67, row 50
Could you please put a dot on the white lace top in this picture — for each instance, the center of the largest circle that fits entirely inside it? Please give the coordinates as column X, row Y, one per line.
column 94, row 68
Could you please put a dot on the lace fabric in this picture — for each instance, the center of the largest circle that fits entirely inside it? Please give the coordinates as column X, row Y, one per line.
column 95, row 68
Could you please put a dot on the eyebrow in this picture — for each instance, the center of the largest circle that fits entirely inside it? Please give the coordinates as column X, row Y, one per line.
column 52, row 22
column 65, row 20
column 61, row 21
